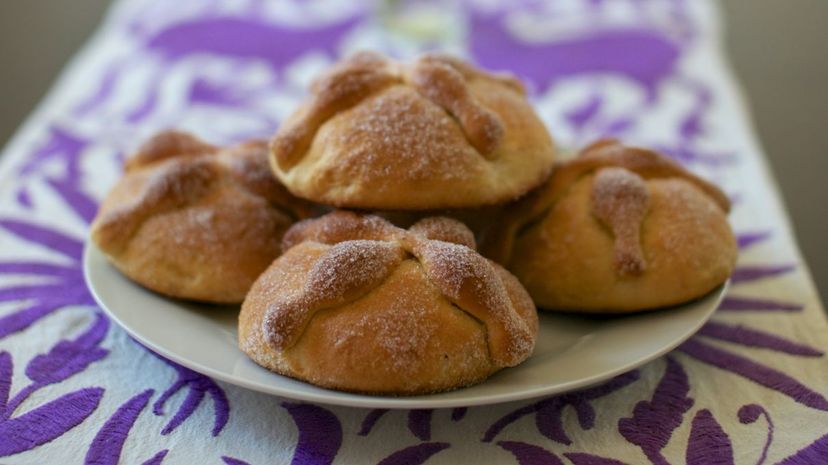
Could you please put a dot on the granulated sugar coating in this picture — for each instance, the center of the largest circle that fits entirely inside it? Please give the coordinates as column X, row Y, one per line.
column 343, row 273
column 605, row 153
column 401, row 312
column 339, row 226
column 427, row 134
column 473, row 284
column 400, row 134
column 617, row 229
column 441, row 228
column 194, row 221
column 620, row 199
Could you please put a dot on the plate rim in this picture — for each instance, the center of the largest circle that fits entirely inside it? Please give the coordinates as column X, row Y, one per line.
column 349, row 399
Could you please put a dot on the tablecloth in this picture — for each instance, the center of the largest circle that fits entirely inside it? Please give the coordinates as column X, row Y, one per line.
column 750, row 388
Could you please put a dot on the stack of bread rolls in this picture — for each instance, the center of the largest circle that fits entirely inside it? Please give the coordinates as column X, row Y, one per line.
column 351, row 239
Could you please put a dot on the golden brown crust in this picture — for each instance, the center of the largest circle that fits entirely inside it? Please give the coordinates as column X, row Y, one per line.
column 617, row 229
column 380, row 134
column 358, row 304
column 194, row 221
column 620, row 200
column 477, row 220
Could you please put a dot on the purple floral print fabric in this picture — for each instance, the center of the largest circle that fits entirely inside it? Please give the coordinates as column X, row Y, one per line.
column 749, row 388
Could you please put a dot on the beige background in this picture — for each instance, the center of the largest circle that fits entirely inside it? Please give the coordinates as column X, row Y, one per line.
column 778, row 48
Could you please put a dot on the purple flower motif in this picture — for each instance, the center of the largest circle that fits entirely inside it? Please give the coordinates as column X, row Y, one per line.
column 654, row 421
column 745, row 273
column 61, row 144
column 370, row 420
column 528, row 454
column 82, row 204
column 157, row 459
column 548, row 411
column 231, row 461
column 198, row 386
column 811, row 454
column 414, row 455
column 5, row 379
column 64, row 285
column 419, row 423
column 47, row 422
column 708, row 444
column 107, row 445
column 749, row 304
column 64, row 360
column 102, row 93
column 745, row 240
column 578, row 458
column 749, row 414
column 458, row 413
column 754, row 338
column 586, row 112
column 69, row 357
column 752, row 273
column 320, row 434
column 748, row 337
column 761, row 374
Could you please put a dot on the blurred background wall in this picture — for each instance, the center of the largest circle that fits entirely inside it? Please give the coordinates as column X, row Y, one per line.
column 778, row 49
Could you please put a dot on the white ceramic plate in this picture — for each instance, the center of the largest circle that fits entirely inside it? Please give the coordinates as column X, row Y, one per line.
column 571, row 352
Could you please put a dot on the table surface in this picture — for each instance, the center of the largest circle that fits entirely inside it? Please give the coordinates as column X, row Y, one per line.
column 750, row 387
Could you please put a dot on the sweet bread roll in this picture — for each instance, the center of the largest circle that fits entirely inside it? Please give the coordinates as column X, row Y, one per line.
column 357, row 304
column 429, row 134
column 617, row 229
column 194, row 221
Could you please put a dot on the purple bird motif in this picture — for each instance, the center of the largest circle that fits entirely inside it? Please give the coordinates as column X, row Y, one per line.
column 250, row 38
column 48, row 422
column 641, row 55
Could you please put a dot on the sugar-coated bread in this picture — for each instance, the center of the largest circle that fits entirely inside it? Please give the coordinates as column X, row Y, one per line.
column 617, row 229
column 429, row 134
column 195, row 221
column 357, row 304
